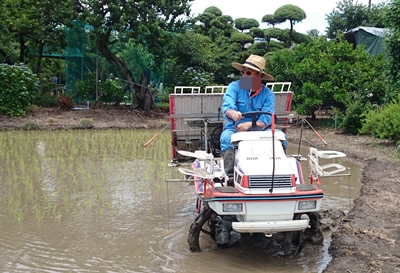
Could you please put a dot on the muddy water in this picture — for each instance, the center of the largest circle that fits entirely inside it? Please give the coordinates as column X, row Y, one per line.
column 97, row 202
column 339, row 192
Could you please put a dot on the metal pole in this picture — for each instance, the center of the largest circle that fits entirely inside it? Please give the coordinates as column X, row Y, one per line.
column 97, row 70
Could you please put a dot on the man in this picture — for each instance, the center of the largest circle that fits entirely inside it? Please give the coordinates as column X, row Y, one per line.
column 245, row 95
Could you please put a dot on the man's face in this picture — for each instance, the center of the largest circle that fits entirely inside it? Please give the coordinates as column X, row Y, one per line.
column 251, row 79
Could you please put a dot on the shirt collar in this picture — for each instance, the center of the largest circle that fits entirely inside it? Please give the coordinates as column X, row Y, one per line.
column 255, row 93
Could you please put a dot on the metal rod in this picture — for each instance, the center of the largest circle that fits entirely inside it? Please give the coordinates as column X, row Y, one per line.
column 167, row 208
column 301, row 135
column 151, row 139
column 273, row 152
column 315, row 131
column 180, row 180
column 349, row 193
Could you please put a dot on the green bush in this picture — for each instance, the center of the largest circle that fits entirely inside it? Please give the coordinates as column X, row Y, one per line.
column 84, row 123
column 17, row 84
column 111, row 90
column 384, row 122
column 329, row 72
column 45, row 101
column 352, row 121
column 85, row 88
column 47, row 86
column 30, row 126
column 196, row 77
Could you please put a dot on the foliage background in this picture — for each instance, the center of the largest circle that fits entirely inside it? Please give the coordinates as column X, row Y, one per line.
column 123, row 57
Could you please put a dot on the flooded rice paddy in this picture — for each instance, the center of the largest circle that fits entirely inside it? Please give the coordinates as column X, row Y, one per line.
column 97, row 201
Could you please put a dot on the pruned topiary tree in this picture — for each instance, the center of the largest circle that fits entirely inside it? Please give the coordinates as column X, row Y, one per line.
column 292, row 13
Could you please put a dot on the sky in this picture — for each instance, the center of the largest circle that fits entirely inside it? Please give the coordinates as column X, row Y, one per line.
column 315, row 10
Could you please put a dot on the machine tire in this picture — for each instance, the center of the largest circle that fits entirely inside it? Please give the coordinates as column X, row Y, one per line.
column 196, row 227
column 293, row 242
column 287, row 243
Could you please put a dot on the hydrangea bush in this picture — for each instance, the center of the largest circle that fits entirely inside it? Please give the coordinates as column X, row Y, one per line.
column 17, row 85
column 196, row 77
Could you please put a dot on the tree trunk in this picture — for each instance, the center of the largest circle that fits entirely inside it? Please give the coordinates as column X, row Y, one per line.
column 145, row 96
column 122, row 68
column 39, row 57
column 22, row 48
column 313, row 116
column 6, row 57
column 290, row 33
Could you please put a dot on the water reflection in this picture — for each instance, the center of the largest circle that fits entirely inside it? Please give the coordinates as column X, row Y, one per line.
column 96, row 201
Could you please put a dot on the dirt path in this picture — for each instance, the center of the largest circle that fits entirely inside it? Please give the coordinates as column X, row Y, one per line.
column 54, row 119
column 367, row 240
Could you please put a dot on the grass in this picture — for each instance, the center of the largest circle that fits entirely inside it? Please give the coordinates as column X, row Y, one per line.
column 50, row 174
column 163, row 104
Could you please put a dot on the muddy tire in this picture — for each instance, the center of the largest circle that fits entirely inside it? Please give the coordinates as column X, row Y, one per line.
column 287, row 244
column 314, row 234
column 293, row 243
column 196, row 227
column 298, row 242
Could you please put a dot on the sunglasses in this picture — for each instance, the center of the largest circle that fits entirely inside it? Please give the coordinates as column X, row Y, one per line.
column 249, row 72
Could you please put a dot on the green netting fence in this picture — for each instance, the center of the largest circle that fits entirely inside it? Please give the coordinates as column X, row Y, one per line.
column 83, row 61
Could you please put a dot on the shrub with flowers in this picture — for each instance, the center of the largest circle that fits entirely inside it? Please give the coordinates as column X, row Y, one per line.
column 17, row 85
column 196, row 77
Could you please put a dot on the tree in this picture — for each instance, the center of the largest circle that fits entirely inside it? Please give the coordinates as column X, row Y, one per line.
column 137, row 58
column 314, row 33
column 205, row 18
column 195, row 50
column 346, row 16
column 329, row 73
column 221, row 26
column 242, row 39
column 292, row 13
column 245, row 23
column 147, row 22
column 213, row 23
column 260, row 48
column 255, row 32
column 349, row 14
column 6, row 38
column 392, row 20
column 220, row 31
column 376, row 15
column 275, row 33
column 213, row 10
column 39, row 24
column 299, row 38
column 269, row 19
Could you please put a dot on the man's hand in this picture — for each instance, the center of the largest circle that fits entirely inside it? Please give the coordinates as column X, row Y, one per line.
column 242, row 127
column 247, row 125
column 235, row 115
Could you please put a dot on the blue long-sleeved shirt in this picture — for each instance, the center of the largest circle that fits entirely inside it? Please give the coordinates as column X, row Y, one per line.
column 239, row 100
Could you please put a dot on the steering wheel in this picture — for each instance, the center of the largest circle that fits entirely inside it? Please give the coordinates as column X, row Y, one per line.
column 253, row 115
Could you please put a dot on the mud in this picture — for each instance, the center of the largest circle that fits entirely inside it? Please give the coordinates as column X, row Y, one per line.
column 115, row 118
column 364, row 240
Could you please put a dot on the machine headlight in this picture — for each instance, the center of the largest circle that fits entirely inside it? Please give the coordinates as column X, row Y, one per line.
column 232, row 207
column 303, row 205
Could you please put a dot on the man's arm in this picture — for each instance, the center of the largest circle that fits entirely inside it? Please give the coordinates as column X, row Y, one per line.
column 229, row 104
